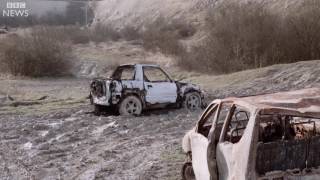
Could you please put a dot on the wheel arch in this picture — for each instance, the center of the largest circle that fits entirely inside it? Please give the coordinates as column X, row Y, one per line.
column 134, row 92
column 191, row 90
column 135, row 110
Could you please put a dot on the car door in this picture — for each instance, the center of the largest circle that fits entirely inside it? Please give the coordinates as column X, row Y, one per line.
column 233, row 148
column 159, row 87
column 203, row 140
column 199, row 143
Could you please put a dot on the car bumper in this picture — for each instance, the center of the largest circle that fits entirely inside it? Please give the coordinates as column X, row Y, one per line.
column 103, row 101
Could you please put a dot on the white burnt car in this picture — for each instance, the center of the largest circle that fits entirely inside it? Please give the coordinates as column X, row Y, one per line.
column 135, row 87
column 266, row 137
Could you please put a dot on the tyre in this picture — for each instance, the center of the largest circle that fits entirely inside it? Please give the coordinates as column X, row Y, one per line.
column 187, row 172
column 130, row 106
column 98, row 109
column 192, row 101
column 91, row 99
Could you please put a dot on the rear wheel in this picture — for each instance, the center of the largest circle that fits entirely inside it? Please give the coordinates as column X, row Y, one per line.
column 192, row 101
column 130, row 106
column 187, row 172
column 98, row 109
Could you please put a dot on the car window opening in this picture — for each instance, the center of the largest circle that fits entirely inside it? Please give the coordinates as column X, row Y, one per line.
column 154, row 74
column 124, row 73
column 208, row 119
column 205, row 123
column 237, row 125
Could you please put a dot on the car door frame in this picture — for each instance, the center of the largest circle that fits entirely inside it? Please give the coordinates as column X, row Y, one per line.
column 171, row 97
column 134, row 82
column 238, row 167
column 199, row 144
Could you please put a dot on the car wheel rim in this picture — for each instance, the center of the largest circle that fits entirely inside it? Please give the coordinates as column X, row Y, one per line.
column 193, row 102
column 132, row 107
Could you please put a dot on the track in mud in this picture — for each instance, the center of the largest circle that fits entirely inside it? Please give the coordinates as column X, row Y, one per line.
column 75, row 144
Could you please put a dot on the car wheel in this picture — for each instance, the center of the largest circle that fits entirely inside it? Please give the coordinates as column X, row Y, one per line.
column 187, row 172
column 130, row 106
column 98, row 109
column 192, row 101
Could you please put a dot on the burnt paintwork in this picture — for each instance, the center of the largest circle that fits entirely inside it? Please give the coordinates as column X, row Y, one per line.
column 280, row 140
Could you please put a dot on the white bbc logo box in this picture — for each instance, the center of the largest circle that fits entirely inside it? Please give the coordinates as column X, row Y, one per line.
column 16, row 5
column 15, row 8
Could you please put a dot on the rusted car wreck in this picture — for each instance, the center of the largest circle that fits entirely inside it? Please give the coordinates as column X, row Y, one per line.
column 266, row 137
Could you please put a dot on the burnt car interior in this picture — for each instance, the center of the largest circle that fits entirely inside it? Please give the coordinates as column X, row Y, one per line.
column 205, row 123
column 237, row 124
column 287, row 143
column 235, row 128
column 124, row 73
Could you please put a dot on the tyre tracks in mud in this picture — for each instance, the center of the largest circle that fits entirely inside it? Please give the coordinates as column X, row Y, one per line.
column 74, row 144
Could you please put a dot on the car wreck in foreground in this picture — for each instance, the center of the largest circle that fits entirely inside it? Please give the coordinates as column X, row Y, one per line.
column 135, row 87
column 267, row 137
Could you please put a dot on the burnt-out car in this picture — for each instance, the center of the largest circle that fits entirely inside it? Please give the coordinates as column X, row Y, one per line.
column 266, row 137
column 135, row 87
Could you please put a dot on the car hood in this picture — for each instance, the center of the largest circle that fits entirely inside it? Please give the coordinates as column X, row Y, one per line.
column 185, row 87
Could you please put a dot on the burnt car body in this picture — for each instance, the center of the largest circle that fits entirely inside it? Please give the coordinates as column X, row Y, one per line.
column 135, row 87
column 267, row 137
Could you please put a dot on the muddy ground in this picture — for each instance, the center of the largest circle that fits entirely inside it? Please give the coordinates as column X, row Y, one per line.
column 74, row 144
column 48, row 130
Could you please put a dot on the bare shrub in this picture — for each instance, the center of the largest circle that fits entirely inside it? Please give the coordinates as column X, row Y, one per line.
column 102, row 33
column 159, row 35
column 301, row 32
column 244, row 36
column 130, row 33
column 40, row 53
column 197, row 59
column 3, row 45
column 164, row 37
column 77, row 35
column 183, row 29
column 81, row 35
column 240, row 37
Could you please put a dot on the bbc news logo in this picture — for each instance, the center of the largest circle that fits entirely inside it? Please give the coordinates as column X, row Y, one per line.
column 16, row 9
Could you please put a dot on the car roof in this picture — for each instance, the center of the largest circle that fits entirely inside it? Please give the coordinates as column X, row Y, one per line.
column 304, row 103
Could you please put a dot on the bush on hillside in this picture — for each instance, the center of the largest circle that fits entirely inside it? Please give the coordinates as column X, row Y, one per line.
column 40, row 53
column 99, row 33
column 165, row 37
column 130, row 33
column 103, row 33
column 244, row 36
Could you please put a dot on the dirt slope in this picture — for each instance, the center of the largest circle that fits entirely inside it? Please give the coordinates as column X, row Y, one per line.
column 271, row 79
column 137, row 13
